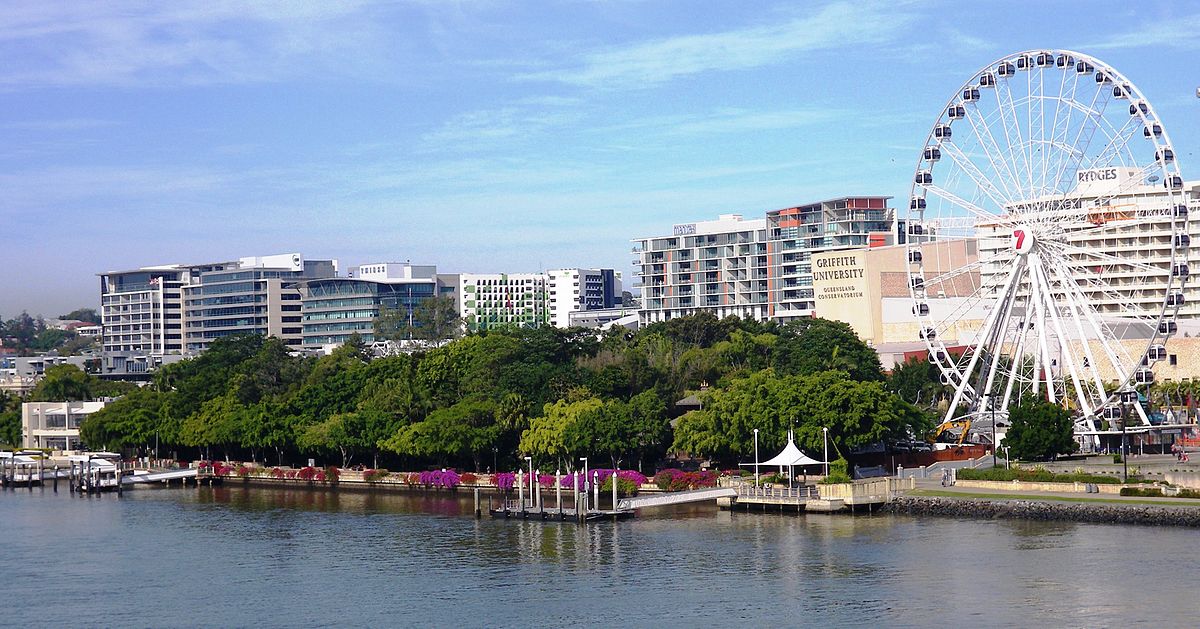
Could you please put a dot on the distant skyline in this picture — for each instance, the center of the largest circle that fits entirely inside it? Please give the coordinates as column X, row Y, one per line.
column 486, row 136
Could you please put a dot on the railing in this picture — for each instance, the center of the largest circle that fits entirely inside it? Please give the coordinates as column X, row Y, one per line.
column 780, row 493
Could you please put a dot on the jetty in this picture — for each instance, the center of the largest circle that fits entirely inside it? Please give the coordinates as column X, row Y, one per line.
column 529, row 503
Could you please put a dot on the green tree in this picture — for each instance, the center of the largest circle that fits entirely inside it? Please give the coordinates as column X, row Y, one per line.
column 10, row 420
column 855, row 413
column 607, row 429
column 546, row 436
column 813, row 345
column 436, row 319
column 343, row 433
column 87, row 315
column 392, row 324
column 63, row 383
column 1039, row 431
column 464, row 430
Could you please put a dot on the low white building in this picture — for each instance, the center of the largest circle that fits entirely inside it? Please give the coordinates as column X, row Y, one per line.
column 55, row 425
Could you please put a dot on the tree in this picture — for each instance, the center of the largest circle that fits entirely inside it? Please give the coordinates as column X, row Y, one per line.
column 87, row 315
column 1039, row 431
column 464, row 430
column 10, row 420
column 342, row 432
column 545, row 437
column 856, row 413
column 392, row 324
column 607, row 429
column 436, row 319
column 812, row 345
column 63, row 383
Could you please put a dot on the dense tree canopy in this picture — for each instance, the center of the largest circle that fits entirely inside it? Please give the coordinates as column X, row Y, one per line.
column 551, row 394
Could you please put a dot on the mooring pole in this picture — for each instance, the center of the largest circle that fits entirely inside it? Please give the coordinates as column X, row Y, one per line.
column 596, row 489
column 521, row 490
column 558, row 491
column 56, row 479
column 477, row 512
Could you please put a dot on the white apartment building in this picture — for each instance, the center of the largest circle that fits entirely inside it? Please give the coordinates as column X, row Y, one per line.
column 756, row 268
column 719, row 266
column 497, row 300
column 55, row 425
column 577, row 290
column 142, row 309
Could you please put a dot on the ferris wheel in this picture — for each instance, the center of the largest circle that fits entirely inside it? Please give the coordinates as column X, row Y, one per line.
column 1047, row 238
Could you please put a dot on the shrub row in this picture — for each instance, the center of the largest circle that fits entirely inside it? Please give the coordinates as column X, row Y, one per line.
column 1037, row 475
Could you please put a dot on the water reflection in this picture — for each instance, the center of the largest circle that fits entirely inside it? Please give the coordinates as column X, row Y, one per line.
column 382, row 558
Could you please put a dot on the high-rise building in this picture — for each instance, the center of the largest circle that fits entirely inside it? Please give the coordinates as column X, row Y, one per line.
column 1120, row 228
column 576, row 290
column 335, row 308
column 795, row 233
column 142, row 309
column 717, row 266
column 497, row 300
column 255, row 295
column 181, row 308
column 753, row 268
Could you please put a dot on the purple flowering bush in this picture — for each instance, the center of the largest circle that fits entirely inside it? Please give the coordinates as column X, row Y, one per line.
column 447, row 479
column 505, row 481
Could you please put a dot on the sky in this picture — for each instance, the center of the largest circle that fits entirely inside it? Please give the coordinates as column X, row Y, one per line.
column 488, row 136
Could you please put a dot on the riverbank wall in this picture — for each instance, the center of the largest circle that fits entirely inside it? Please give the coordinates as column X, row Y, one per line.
column 1045, row 510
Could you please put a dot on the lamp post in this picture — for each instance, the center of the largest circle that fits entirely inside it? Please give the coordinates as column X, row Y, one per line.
column 825, row 430
column 756, row 457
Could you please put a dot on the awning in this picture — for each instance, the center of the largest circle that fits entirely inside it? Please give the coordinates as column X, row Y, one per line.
column 791, row 456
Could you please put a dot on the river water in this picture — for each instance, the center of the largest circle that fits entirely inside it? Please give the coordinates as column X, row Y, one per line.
column 233, row 556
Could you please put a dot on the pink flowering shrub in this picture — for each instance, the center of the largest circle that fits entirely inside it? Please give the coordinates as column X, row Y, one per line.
column 447, row 479
column 505, row 481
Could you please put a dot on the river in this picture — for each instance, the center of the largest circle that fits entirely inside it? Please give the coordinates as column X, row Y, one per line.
column 232, row 556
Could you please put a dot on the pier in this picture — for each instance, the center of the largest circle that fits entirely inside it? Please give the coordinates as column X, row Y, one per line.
column 529, row 502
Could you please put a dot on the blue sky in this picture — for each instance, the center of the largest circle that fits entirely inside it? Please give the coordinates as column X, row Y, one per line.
column 484, row 136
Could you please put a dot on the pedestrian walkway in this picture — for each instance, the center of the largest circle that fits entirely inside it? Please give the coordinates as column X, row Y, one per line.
column 935, row 487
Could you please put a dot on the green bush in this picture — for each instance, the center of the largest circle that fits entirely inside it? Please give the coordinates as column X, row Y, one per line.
column 1116, row 458
column 1036, row 475
column 1142, row 491
column 839, row 472
column 625, row 487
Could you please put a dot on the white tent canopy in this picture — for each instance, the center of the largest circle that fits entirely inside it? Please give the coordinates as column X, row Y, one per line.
column 791, row 456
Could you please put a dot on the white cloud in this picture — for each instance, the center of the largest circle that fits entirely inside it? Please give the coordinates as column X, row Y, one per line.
column 219, row 41
column 645, row 64
column 1179, row 33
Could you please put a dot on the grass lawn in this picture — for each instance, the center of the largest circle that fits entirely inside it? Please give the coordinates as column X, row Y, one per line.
column 1044, row 497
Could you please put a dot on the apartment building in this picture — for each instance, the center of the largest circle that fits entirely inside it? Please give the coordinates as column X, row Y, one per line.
column 794, row 234
column 754, row 268
column 718, row 266
column 141, row 310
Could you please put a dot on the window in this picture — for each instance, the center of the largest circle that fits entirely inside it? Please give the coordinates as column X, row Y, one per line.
column 1171, row 359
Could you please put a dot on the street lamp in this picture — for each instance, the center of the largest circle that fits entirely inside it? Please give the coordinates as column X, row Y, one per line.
column 756, row 457
column 825, row 429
